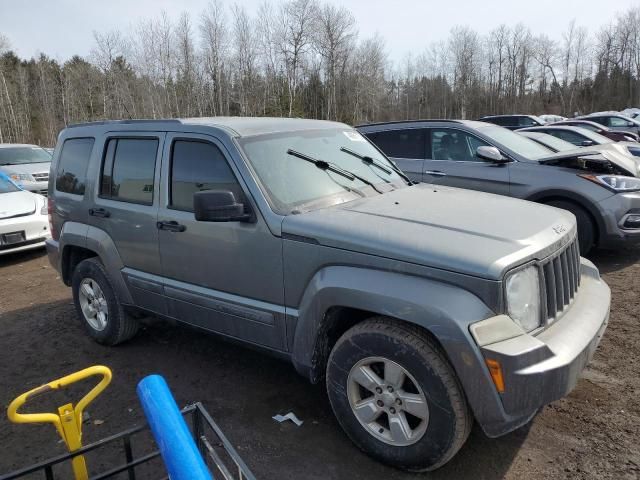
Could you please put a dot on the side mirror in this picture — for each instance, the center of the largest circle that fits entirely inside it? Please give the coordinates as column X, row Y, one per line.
column 218, row 206
column 491, row 154
column 586, row 143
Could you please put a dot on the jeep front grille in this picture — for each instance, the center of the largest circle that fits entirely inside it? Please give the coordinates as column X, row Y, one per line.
column 561, row 278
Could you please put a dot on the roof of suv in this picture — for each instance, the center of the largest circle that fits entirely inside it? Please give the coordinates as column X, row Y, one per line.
column 21, row 145
column 238, row 126
column 414, row 123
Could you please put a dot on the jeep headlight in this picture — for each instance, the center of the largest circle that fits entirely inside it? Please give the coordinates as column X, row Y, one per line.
column 523, row 298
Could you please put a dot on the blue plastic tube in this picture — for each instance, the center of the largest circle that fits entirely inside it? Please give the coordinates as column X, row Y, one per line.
column 177, row 447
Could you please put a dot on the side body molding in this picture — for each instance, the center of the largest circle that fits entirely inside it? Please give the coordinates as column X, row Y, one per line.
column 446, row 311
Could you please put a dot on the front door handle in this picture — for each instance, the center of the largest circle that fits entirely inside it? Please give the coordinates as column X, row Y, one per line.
column 99, row 212
column 171, row 226
column 435, row 173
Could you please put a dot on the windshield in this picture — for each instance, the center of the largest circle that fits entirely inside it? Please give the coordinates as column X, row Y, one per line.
column 295, row 184
column 22, row 155
column 516, row 143
column 555, row 143
column 593, row 136
column 6, row 185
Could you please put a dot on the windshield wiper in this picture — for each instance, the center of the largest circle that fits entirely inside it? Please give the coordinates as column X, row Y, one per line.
column 323, row 165
column 370, row 161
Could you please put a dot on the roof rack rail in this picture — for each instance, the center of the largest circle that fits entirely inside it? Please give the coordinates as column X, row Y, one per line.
column 409, row 121
column 121, row 122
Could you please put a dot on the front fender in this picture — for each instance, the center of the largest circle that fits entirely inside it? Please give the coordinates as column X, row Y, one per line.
column 445, row 310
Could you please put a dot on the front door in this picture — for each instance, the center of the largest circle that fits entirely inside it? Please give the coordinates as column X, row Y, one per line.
column 451, row 160
column 222, row 276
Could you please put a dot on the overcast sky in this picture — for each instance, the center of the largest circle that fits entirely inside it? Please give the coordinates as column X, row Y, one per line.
column 61, row 28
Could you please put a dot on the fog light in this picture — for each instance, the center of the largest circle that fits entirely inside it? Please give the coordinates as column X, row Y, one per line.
column 632, row 221
column 496, row 374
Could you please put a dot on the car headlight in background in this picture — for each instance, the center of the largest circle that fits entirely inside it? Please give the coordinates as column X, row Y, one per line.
column 523, row 298
column 617, row 183
column 21, row 177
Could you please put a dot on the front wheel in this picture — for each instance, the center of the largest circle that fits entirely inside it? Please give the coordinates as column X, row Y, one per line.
column 396, row 396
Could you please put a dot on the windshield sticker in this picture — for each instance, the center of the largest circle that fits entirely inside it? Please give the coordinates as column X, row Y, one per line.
column 353, row 136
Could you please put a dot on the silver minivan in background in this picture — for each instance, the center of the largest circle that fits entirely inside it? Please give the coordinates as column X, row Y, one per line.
column 27, row 165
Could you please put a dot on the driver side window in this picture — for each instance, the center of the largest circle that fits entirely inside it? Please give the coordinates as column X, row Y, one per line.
column 449, row 144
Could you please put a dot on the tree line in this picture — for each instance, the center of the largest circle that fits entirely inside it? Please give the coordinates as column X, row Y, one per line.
column 304, row 58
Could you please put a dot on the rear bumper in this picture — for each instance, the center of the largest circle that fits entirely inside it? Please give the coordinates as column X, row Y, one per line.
column 53, row 251
column 540, row 369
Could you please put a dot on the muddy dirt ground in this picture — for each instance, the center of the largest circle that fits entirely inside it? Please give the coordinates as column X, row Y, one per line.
column 594, row 433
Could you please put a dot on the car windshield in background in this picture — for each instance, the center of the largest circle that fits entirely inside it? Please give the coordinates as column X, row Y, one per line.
column 22, row 155
column 517, row 143
column 7, row 186
column 594, row 137
column 556, row 143
column 295, row 184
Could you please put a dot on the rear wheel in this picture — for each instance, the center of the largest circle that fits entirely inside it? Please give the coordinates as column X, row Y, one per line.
column 97, row 305
column 586, row 228
column 396, row 396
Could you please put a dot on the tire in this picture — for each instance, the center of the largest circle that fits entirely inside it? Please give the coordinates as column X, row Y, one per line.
column 115, row 325
column 435, row 439
column 586, row 228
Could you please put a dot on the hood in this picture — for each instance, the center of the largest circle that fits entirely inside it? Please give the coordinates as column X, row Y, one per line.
column 15, row 204
column 465, row 231
column 40, row 167
column 616, row 155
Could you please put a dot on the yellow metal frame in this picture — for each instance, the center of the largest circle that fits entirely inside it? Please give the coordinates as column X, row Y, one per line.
column 68, row 420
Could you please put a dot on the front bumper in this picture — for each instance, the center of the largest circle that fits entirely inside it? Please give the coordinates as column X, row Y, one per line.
column 34, row 228
column 614, row 209
column 543, row 368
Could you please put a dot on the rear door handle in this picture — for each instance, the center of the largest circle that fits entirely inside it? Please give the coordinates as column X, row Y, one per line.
column 99, row 212
column 435, row 173
column 171, row 226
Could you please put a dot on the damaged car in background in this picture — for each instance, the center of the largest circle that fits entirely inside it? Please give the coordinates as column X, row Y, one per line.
column 601, row 189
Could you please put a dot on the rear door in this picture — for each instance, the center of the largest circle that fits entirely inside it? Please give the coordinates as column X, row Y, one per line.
column 126, row 207
column 405, row 147
column 451, row 160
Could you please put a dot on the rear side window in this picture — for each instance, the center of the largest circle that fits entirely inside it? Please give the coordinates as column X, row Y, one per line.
column 128, row 170
column 502, row 121
column 72, row 166
column 410, row 143
column 568, row 136
column 198, row 166
column 600, row 120
column 526, row 122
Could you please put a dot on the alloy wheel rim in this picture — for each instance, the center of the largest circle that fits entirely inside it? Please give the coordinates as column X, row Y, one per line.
column 93, row 304
column 387, row 401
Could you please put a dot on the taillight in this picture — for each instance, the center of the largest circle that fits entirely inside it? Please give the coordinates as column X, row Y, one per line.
column 50, row 205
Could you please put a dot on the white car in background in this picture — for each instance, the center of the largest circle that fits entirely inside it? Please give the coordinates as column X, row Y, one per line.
column 24, row 221
column 26, row 165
